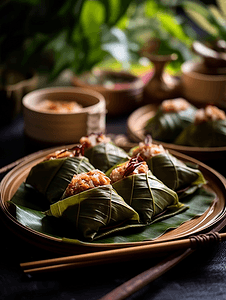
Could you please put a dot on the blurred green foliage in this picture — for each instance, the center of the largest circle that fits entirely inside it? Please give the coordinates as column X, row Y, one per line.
column 78, row 35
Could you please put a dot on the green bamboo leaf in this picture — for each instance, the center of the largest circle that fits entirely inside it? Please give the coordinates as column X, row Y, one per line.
column 105, row 155
column 28, row 210
column 208, row 134
column 51, row 177
column 167, row 126
column 198, row 203
column 174, row 173
column 92, row 210
column 146, row 194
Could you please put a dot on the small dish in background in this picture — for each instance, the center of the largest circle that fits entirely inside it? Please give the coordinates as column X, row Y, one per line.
column 61, row 115
column 201, row 87
column 123, row 91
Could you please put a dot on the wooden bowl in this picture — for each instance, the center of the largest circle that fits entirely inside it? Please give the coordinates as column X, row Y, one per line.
column 199, row 87
column 66, row 127
column 121, row 97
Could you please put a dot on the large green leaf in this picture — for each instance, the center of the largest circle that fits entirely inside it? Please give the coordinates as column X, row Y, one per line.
column 146, row 194
column 208, row 134
column 29, row 206
column 103, row 156
column 51, row 177
column 167, row 126
column 92, row 17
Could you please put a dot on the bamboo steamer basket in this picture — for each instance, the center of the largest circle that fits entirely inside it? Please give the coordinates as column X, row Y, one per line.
column 63, row 128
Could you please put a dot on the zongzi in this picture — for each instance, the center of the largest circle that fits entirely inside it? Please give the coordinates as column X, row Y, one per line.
column 207, row 130
column 51, row 176
column 142, row 190
column 170, row 170
column 92, row 207
column 101, row 151
column 170, row 119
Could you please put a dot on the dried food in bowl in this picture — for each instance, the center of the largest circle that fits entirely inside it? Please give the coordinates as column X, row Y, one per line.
column 66, row 127
column 123, row 91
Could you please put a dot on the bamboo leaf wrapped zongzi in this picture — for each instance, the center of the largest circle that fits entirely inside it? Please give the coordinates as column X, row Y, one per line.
column 51, row 176
column 91, row 205
column 170, row 119
column 101, row 152
column 207, row 130
column 142, row 190
column 171, row 171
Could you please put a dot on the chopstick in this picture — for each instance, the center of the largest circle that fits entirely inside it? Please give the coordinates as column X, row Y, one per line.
column 133, row 285
column 136, row 283
column 117, row 255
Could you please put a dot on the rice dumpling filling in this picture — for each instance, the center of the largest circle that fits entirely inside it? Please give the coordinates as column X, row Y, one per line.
column 58, row 106
column 209, row 113
column 174, row 105
column 135, row 165
column 84, row 181
column 148, row 150
column 77, row 150
column 94, row 139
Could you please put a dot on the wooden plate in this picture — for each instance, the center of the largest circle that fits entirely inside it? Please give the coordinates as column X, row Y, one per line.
column 12, row 181
column 135, row 128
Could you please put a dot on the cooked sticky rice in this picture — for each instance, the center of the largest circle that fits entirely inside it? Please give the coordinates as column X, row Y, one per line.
column 147, row 151
column 174, row 105
column 94, row 139
column 209, row 113
column 84, row 181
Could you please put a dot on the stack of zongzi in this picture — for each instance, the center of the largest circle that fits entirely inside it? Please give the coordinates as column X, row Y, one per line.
column 99, row 189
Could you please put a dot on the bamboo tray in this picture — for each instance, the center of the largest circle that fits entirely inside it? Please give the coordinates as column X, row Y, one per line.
column 135, row 128
column 13, row 179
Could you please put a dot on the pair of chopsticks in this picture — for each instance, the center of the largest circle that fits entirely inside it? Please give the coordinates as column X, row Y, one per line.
column 118, row 255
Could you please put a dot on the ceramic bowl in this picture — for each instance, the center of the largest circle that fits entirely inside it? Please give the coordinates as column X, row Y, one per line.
column 199, row 87
column 51, row 127
column 122, row 96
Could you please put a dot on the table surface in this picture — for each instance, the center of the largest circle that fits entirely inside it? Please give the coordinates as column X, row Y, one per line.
column 202, row 275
